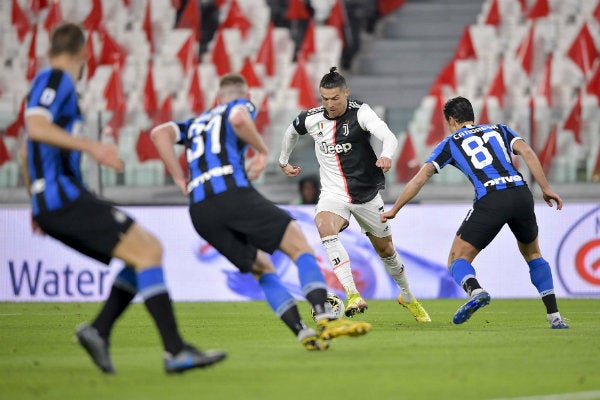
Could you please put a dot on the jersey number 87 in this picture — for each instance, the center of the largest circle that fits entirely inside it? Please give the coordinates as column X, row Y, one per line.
column 479, row 149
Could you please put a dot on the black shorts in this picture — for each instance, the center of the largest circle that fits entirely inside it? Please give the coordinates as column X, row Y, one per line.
column 238, row 222
column 89, row 225
column 512, row 206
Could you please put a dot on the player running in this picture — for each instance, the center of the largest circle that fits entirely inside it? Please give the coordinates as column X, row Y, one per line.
column 482, row 153
column 351, row 178
column 235, row 219
column 63, row 208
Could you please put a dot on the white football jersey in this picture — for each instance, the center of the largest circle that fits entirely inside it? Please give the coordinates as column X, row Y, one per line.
column 343, row 149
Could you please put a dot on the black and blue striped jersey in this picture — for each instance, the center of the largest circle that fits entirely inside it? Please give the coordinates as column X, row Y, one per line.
column 482, row 153
column 215, row 154
column 54, row 172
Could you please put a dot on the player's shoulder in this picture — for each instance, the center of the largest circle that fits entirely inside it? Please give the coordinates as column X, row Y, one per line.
column 310, row 116
column 52, row 78
column 356, row 104
column 313, row 111
column 243, row 102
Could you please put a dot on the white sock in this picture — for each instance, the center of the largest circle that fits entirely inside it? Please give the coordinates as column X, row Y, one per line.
column 553, row 316
column 393, row 265
column 340, row 262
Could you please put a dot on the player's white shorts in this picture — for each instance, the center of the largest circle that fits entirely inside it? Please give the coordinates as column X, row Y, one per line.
column 366, row 214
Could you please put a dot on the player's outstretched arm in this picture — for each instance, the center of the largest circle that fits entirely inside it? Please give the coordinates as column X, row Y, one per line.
column 164, row 136
column 40, row 129
column 245, row 129
column 290, row 138
column 534, row 165
column 411, row 189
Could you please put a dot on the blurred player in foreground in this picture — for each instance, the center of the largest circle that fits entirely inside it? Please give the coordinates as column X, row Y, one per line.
column 351, row 178
column 235, row 219
column 482, row 153
column 63, row 208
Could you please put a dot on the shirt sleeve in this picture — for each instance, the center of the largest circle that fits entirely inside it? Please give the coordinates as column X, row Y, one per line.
column 48, row 93
column 510, row 136
column 248, row 105
column 290, row 138
column 181, row 129
column 299, row 123
column 441, row 155
column 370, row 121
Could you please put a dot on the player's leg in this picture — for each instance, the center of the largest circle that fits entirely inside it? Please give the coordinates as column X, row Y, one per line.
column 312, row 282
column 541, row 277
column 461, row 256
column 379, row 233
column 480, row 227
column 283, row 304
column 123, row 291
column 331, row 218
column 140, row 248
column 95, row 337
column 524, row 226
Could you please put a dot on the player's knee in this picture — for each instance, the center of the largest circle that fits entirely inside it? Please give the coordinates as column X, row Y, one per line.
column 153, row 249
column 156, row 248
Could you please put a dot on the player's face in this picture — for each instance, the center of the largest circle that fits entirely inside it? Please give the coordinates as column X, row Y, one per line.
column 334, row 100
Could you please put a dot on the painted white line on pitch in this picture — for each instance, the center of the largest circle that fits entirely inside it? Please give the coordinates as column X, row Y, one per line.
column 595, row 395
column 9, row 314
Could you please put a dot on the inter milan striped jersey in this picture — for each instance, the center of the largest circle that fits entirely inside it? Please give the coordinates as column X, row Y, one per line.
column 215, row 154
column 342, row 145
column 482, row 153
column 54, row 172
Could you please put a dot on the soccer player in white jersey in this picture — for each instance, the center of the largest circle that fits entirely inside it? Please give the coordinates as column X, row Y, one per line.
column 351, row 177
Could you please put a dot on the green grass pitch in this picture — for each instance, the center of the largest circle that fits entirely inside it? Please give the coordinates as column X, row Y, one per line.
column 505, row 351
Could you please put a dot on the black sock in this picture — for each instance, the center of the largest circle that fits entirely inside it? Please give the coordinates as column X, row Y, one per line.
column 550, row 303
column 118, row 300
column 292, row 319
column 159, row 306
column 317, row 299
column 470, row 285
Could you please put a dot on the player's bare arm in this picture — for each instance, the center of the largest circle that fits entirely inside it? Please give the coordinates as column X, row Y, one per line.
column 412, row 188
column 290, row 138
column 534, row 165
column 35, row 228
column 245, row 129
column 164, row 136
column 40, row 129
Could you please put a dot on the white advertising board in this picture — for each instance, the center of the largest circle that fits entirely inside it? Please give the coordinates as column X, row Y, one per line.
column 37, row 268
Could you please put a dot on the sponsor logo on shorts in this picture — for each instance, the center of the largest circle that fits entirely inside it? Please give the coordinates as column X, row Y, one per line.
column 118, row 216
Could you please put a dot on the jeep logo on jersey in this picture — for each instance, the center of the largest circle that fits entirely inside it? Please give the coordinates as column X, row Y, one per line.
column 335, row 148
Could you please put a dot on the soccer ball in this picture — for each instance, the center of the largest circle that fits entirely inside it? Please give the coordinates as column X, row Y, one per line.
column 337, row 306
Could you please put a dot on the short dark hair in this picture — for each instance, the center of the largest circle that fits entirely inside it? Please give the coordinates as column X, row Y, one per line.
column 232, row 79
column 460, row 109
column 332, row 80
column 67, row 38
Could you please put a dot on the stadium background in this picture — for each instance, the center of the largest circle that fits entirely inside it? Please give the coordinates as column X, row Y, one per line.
column 533, row 64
